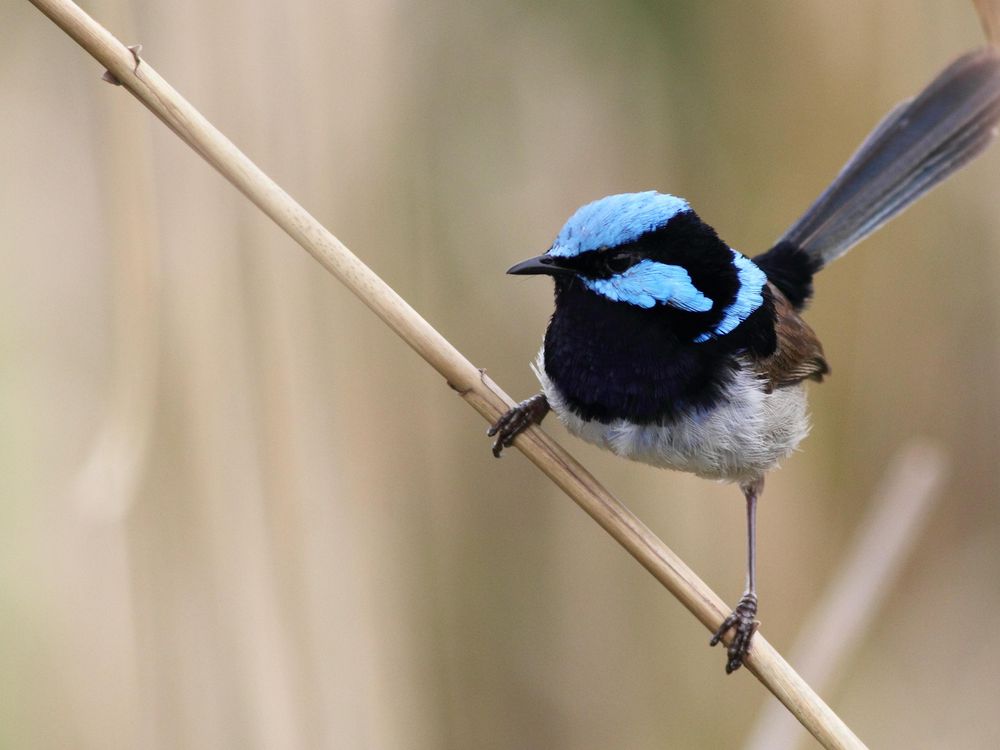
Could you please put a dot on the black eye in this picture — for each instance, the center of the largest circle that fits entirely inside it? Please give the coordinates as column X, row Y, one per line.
column 619, row 262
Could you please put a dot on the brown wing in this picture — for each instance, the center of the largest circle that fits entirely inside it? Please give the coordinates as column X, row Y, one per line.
column 799, row 355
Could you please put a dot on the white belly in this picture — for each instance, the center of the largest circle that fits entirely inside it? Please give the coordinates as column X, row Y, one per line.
column 738, row 441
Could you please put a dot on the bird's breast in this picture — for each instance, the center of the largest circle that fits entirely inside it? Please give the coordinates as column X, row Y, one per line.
column 743, row 435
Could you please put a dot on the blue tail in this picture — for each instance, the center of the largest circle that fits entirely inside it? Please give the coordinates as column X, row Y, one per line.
column 920, row 143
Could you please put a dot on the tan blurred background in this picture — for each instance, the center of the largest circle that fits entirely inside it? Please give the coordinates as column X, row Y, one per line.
column 236, row 512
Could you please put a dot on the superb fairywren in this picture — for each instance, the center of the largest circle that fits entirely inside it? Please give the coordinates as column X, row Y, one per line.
column 668, row 347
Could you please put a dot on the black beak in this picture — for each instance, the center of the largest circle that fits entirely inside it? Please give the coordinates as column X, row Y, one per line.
column 542, row 264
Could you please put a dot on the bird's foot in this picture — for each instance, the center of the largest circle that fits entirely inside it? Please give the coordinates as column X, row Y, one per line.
column 743, row 619
column 516, row 420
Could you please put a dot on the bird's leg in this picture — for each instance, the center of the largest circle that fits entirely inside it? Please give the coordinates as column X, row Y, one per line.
column 743, row 618
column 517, row 420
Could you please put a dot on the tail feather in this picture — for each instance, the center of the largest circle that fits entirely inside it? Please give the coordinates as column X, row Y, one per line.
column 920, row 143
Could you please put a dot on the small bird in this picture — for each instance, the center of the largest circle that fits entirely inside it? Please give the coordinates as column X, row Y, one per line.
column 671, row 348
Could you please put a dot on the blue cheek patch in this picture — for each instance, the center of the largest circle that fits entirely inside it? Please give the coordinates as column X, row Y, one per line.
column 749, row 297
column 649, row 283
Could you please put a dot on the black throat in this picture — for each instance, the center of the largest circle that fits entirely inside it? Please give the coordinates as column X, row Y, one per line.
column 611, row 360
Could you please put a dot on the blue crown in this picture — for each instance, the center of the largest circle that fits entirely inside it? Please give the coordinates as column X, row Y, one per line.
column 615, row 220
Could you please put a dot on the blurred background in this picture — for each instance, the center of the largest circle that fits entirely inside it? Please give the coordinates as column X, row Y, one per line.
column 236, row 511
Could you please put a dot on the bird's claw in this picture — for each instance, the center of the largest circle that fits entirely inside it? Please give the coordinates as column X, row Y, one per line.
column 743, row 619
column 516, row 420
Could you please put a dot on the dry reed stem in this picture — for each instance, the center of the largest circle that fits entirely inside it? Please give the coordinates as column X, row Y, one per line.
column 126, row 68
column 105, row 485
column 989, row 17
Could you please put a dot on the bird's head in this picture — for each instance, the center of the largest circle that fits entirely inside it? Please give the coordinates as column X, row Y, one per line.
column 650, row 251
